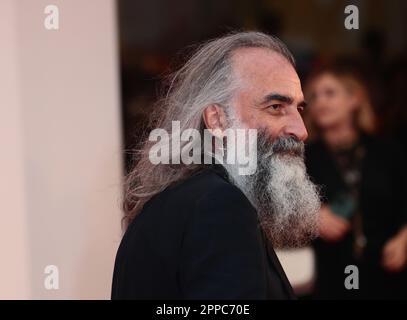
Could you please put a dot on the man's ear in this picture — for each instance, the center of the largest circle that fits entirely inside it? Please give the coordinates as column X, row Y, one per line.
column 215, row 119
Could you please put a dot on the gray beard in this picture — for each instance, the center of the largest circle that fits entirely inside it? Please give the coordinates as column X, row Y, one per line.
column 286, row 200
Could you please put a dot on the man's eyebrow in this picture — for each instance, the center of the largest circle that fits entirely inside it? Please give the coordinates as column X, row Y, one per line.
column 281, row 98
column 276, row 97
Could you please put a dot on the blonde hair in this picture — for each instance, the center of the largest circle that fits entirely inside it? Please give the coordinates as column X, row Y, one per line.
column 353, row 80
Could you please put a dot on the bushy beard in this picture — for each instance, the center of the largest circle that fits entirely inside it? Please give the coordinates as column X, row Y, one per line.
column 286, row 200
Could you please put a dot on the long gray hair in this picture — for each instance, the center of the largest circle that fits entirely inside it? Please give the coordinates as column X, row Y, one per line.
column 205, row 79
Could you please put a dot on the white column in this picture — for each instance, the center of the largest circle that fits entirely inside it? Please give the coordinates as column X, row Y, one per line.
column 14, row 267
column 68, row 131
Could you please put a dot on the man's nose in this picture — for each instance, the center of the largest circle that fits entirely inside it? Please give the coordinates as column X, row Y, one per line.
column 295, row 127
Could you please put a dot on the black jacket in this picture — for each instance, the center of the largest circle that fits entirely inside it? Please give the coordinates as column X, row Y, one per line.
column 199, row 239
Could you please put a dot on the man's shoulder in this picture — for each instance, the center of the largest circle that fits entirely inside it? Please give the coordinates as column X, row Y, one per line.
column 208, row 184
column 203, row 198
column 201, row 192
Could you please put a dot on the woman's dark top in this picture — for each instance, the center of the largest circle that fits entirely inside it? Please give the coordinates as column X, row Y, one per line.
column 366, row 184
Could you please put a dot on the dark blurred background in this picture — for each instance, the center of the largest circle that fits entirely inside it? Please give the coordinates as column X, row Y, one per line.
column 155, row 35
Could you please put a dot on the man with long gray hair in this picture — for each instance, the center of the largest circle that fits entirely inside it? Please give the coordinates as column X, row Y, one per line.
column 199, row 229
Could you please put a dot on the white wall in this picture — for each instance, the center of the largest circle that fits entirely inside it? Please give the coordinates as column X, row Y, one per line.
column 14, row 267
column 61, row 148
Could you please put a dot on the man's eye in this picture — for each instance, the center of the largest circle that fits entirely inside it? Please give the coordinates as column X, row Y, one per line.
column 300, row 109
column 276, row 106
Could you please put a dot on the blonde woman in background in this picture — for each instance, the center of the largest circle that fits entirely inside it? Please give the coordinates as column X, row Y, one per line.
column 364, row 185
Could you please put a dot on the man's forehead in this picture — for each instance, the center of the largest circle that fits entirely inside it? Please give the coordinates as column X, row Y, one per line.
column 262, row 68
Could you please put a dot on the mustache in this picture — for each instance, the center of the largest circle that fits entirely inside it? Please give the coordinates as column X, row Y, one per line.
column 289, row 146
column 285, row 145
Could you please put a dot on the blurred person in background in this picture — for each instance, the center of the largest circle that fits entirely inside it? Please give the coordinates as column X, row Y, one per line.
column 363, row 220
